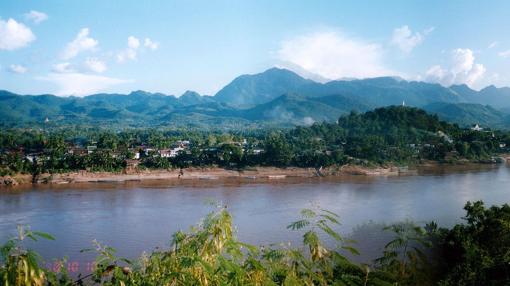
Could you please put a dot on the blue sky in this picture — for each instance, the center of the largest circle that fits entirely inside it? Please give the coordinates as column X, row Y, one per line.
column 83, row 47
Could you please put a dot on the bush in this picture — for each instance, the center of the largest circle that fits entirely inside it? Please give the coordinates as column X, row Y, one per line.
column 475, row 253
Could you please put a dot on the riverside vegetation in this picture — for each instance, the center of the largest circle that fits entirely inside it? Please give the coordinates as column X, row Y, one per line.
column 475, row 252
column 392, row 135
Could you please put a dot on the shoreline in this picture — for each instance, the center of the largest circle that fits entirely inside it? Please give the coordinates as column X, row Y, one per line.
column 216, row 173
column 195, row 173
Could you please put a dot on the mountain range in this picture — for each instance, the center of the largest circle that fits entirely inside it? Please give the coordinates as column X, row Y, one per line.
column 276, row 97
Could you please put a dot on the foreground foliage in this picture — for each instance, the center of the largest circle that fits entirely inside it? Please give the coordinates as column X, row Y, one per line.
column 476, row 253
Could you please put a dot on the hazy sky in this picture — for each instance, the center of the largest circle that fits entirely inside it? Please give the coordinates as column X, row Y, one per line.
column 84, row 47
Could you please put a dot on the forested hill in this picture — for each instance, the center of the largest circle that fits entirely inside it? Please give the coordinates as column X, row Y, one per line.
column 395, row 134
column 275, row 98
column 383, row 120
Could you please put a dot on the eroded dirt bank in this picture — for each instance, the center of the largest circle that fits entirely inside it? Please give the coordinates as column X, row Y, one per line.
column 209, row 173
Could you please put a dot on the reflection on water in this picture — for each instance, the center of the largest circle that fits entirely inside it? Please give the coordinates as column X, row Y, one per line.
column 136, row 217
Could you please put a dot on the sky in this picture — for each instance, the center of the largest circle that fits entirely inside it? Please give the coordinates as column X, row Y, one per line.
column 85, row 47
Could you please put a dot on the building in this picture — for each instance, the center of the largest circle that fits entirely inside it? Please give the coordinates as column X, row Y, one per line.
column 78, row 151
column 170, row 153
column 476, row 127
column 182, row 143
column 165, row 153
column 175, row 151
column 31, row 157
column 91, row 149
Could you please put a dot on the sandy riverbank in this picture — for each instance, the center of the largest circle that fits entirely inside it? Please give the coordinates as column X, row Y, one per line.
column 210, row 173
column 249, row 173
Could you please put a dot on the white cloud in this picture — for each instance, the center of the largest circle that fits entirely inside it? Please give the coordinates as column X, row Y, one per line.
column 81, row 43
column 505, row 54
column 36, row 16
column 80, row 84
column 471, row 77
column 462, row 69
column 496, row 79
column 405, row 40
column 133, row 47
column 62, row 68
column 437, row 74
column 302, row 72
column 333, row 55
column 14, row 35
column 128, row 54
column 133, row 43
column 17, row 69
column 95, row 65
column 462, row 60
column 131, row 52
column 148, row 43
column 493, row 45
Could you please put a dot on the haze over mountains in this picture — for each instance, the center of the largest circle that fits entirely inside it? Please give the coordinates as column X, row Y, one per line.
column 276, row 97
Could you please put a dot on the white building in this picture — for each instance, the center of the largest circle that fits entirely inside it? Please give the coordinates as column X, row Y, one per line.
column 175, row 151
column 170, row 153
column 476, row 128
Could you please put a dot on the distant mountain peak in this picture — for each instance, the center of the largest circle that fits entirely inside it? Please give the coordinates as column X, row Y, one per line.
column 143, row 93
column 190, row 93
column 304, row 73
column 277, row 70
column 346, row 78
column 462, row 85
column 385, row 79
column 139, row 92
column 489, row 88
column 462, row 89
column 190, row 97
column 249, row 90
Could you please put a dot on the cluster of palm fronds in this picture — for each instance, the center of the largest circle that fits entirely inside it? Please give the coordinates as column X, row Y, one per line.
column 210, row 254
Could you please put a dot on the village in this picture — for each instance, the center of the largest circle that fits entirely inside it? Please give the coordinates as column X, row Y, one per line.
column 179, row 152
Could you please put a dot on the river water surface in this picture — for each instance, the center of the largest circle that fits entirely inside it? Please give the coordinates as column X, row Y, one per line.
column 137, row 217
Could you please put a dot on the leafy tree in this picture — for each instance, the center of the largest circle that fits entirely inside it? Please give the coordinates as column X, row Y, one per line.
column 404, row 256
column 478, row 252
column 278, row 151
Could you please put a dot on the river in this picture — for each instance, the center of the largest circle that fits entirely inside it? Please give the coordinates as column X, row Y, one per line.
column 137, row 217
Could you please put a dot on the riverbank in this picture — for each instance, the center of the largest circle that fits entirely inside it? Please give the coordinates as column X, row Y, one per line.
column 215, row 173
column 207, row 173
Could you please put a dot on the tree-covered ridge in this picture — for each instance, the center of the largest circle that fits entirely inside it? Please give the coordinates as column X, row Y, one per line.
column 398, row 134
column 395, row 135
column 470, row 253
column 382, row 120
